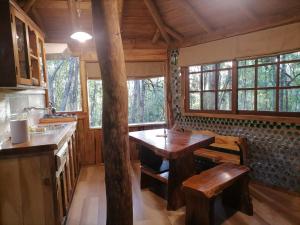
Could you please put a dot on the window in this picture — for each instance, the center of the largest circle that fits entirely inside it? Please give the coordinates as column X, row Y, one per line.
column 210, row 87
column 145, row 101
column 267, row 85
column 95, row 102
column 64, row 84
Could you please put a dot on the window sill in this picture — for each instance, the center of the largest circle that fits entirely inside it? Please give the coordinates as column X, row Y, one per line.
column 277, row 119
column 134, row 125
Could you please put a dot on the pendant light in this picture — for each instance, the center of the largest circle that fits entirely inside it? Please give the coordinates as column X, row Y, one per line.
column 80, row 35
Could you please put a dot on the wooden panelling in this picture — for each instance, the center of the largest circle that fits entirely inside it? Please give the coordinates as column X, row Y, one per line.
column 26, row 189
column 90, row 142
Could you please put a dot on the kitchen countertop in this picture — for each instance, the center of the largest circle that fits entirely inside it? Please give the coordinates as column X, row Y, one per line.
column 50, row 140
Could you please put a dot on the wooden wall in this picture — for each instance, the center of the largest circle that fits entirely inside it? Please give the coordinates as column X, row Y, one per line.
column 90, row 141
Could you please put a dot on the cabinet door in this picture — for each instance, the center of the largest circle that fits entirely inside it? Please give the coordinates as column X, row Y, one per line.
column 20, row 35
column 42, row 63
column 59, row 196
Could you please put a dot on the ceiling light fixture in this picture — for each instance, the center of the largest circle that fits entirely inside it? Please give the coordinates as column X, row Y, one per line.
column 80, row 35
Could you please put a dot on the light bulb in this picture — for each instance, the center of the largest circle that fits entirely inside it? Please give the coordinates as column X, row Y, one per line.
column 81, row 36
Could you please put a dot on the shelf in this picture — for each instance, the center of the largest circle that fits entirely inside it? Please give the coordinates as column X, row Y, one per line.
column 163, row 177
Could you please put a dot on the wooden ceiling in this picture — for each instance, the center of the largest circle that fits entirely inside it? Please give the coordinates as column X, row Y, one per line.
column 162, row 23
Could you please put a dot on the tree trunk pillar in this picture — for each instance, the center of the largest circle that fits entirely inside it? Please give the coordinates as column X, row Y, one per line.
column 110, row 53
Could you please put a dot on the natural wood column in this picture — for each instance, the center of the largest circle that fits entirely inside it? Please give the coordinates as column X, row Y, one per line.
column 115, row 111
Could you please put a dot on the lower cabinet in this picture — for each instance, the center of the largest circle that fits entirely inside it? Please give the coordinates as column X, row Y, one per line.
column 66, row 177
column 37, row 189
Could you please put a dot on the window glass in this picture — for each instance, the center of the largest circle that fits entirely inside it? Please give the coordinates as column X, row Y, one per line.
column 266, row 76
column 195, row 82
column 208, row 100
column 64, row 84
column 289, row 100
column 145, row 101
column 246, row 100
column 195, row 101
column 95, row 102
column 265, row 60
column 209, row 81
column 246, row 77
column 208, row 67
column 290, row 74
column 266, row 100
column 225, row 80
column 248, row 62
column 224, row 100
column 290, row 56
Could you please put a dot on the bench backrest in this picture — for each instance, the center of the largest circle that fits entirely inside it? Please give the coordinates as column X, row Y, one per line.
column 236, row 145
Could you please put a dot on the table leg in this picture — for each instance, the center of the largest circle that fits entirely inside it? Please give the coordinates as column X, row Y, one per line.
column 180, row 169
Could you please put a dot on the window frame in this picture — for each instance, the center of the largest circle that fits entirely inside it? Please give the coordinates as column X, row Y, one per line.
column 235, row 112
column 216, row 90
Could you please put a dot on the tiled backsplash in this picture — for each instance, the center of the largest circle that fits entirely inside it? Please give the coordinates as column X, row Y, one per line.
column 13, row 102
column 274, row 147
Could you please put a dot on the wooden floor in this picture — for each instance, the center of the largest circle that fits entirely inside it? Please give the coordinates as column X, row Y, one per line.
column 271, row 207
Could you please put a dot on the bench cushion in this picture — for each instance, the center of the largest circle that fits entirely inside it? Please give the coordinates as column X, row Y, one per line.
column 213, row 181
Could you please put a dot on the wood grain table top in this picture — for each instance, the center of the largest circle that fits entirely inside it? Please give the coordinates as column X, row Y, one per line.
column 39, row 142
column 174, row 145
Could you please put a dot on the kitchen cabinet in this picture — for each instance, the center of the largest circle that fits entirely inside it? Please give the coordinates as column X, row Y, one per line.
column 22, row 54
column 37, row 182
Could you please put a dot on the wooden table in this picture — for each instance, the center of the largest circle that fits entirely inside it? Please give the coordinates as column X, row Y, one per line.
column 177, row 148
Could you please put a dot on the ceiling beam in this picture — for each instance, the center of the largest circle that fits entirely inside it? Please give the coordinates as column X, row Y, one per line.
column 28, row 5
column 156, row 36
column 174, row 33
column 37, row 18
column 157, row 19
column 196, row 16
column 47, row 4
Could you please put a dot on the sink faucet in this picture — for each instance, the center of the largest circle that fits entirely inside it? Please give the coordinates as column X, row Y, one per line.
column 50, row 109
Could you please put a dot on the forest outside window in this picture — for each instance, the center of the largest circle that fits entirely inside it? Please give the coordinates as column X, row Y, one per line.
column 145, row 101
column 64, row 83
column 267, row 85
column 210, row 87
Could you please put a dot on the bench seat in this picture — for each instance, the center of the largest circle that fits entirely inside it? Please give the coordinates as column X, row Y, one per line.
column 228, row 180
column 217, row 157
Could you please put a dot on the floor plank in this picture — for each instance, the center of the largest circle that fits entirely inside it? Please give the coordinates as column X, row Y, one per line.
column 271, row 207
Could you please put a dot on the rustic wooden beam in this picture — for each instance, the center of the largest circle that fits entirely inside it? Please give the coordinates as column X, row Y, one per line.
column 37, row 18
column 110, row 53
column 156, row 36
column 174, row 33
column 157, row 19
column 186, row 4
column 52, row 4
column 28, row 5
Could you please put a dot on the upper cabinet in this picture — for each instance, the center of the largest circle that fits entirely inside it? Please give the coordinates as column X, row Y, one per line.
column 22, row 56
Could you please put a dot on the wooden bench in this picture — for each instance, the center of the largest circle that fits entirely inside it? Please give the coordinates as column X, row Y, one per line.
column 201, row 190
column 225, row 149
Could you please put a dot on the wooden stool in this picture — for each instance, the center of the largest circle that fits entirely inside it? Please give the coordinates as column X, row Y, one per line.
column 201, row 191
